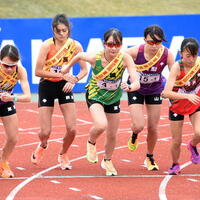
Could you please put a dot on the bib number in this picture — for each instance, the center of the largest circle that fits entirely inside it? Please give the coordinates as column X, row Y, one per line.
column 149, row 78
column 56, row 69
column 108, row 84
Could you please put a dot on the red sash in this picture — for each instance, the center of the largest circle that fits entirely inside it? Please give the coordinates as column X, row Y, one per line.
column 184, row 106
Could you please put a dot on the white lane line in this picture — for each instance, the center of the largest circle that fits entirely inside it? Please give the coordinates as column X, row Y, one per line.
column 54, row 181
column 20, row 168
column 125, row 160
column 95, row 197
column 104, row 176
column 163, row 185
column 192, row 179
column 74, row 189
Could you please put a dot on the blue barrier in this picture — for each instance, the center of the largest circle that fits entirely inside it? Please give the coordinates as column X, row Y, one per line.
column 28, row 34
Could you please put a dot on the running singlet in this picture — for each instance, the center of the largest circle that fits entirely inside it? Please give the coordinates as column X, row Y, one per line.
column 151, row 80
column 7, row 82
column 106, row 90
column 57, row 58
column 184, row 106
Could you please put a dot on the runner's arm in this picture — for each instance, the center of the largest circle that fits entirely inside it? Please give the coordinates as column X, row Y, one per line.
column 39, row 71
column 130, row 65
column 168, row 90
column 83, row 72
column 26, row 96
column 81, row 56
column 133, row 51
column 170, row 60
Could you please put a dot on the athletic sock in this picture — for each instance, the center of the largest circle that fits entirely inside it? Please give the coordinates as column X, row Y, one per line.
column 149, row 155
column 93, row 143
column 134, row 137
column 106, row 159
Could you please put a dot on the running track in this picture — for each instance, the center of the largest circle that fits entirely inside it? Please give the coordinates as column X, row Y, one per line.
column 87, row 181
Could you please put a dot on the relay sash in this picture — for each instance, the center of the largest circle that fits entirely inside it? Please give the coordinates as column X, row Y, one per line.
column 109, row 68
column 151, row 62
column 68, row 51
column 10, row 79
column 184, row 106
column 190, row 74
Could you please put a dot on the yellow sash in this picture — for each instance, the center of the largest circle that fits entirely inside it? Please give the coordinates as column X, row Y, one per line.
column 68, row 50
column 190, row 74
column 151, row 62
column 11, row 79
column 108, row 68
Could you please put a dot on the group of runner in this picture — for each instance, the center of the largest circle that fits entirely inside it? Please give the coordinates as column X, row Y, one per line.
column 145, row 87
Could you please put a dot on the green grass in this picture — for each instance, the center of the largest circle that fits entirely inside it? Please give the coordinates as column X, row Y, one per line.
column 87, row 8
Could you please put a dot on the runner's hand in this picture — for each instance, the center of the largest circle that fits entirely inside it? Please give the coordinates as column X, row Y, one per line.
column 125, row 87
column 68, row 87
column 70, row 78
column 195, row 99
column 5, row 96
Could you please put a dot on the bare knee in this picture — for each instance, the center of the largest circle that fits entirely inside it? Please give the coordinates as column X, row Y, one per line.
column 152, row 129
column 100, row 128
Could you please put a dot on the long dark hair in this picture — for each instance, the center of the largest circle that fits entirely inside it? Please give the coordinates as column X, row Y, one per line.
column 191, row 45
column 117, row 35
column 11, row 52
column 61, row 19
column 154, row 30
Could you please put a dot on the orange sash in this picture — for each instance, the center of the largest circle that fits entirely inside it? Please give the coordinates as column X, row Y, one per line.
column 11, row 79
column 190, row 74
column 110, row 67
column 151, row 62
column 68, row 50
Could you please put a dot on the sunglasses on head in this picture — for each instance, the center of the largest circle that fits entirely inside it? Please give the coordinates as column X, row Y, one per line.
column 152, row 42
column 7, row 65
column 112, row 44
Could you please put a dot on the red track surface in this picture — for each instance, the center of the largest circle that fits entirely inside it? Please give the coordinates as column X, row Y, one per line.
column 88, row 181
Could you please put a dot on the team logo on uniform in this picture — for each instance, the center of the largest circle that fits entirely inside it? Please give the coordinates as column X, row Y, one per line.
column 9, row 109
column 112, row 75
column 67, row 97
column 162, row 63
column 156, row 98
column 44, row 100
column 116, row 107
column 134, row 98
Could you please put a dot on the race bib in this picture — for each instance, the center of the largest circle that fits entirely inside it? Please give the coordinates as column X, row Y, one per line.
column 56, row 69
column 108, row 84
column 149, row 78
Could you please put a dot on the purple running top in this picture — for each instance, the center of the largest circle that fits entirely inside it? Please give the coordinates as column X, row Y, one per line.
column 151, row 80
